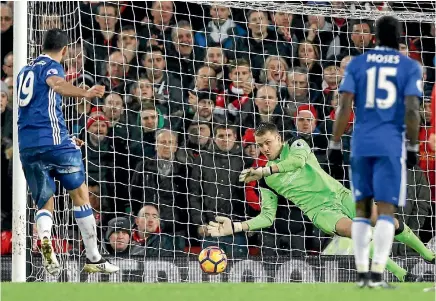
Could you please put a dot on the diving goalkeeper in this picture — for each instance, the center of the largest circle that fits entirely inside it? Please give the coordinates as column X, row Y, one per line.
column 294, row 173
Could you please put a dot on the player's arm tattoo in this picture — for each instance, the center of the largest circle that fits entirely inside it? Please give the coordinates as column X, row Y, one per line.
column 342, row 115
column 412, row 118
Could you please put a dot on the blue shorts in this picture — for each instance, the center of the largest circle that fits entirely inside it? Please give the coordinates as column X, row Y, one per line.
column 42, row 165
column 383, row 178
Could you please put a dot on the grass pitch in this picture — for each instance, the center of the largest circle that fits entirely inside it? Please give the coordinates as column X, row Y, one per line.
column 208, row 291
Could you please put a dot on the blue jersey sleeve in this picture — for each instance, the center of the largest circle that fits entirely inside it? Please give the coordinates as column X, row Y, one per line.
column 52, row 69
column 348, row 83
column 413, row 86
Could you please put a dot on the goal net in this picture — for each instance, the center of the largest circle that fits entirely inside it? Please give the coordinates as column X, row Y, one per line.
column 186, row 85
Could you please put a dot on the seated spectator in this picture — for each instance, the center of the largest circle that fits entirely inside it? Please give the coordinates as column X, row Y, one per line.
column 157, row 31
column 274, row 72
column 427, row 49
column 116, row 74
column 6, row 29
column 205, row 79
column 221, row 30
column 305, row 123
column 8, row 65
column 104, row 39
column 161, row 180
column 9, row 81
column 79, row 108
column 427, row 154
column 216, row 172
column 6, row 153
column 127, row 43
column 98, row 204
column 118, row 238
column 144, row 141
column 341, row 30
column 403, row 46
column 240, row 91
column 344, row 64
column 182, row 55
column 416, row 210
column 282, row 24
column 198, row 139
column 147, row 234
column 74, row 62
column 266, row 110
column 164, row 83
column 308, row 57
column 216, row 58
column 331, row 80
column 299, row 91
column 319, row 32
column 260, row 41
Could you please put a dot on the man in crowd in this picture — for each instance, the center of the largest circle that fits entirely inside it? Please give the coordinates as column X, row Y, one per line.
column 6, row 28
column 8, row 65
column 6, row 152
column 216, row 57
column 198, row 139
column 117, row 70
column 127, row 43
column 157, row 31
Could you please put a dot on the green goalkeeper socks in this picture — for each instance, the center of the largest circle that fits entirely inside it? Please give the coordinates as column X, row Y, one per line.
column 391, row 266
column 409, row 238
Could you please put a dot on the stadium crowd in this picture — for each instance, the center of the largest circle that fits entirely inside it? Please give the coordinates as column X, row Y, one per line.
column 165, row 146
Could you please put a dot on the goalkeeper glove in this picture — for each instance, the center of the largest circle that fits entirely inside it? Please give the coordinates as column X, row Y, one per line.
column 412, row 155
column 335, row 153
column 223, row 227
column 254, row 174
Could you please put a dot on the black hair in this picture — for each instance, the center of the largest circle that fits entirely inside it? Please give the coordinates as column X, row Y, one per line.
column 152, row 49
column 387, row 32
column 224, row 127
column 54, row 40
column 265, row 127
column 205, row 94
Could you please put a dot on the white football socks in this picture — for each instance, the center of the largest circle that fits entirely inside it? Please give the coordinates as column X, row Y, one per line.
column 383, row 237
column 88, row 229
column 44, row 223
column 361, row 235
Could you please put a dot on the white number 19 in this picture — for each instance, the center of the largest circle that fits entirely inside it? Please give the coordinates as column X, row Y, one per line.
column 25, row 88
column 384, row 84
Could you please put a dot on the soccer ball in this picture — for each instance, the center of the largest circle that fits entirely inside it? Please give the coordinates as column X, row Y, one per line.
column 212, row 260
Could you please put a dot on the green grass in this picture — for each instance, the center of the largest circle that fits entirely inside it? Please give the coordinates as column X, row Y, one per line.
column 209, row 292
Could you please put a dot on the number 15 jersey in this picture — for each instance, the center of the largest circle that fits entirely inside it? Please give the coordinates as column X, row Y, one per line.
column 380, row 80
column 40, row 119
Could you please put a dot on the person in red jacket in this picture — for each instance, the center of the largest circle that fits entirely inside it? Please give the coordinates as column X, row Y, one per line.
column 259, row 160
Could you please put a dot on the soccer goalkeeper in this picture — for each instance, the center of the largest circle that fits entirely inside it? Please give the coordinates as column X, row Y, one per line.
column 294, row 173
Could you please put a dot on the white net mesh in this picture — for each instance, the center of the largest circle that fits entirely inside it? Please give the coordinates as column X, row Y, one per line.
column 186, row 83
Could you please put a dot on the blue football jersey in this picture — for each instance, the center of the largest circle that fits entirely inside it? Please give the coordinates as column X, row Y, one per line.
column 40, row 119
column 380, row 79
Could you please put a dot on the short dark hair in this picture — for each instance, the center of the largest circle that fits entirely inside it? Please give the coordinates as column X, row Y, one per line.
column 205, row 94
column 223, row 127
column 148, row 107
column 54, row 40
column 388, row 31
column 152, row 49
column 265, row 127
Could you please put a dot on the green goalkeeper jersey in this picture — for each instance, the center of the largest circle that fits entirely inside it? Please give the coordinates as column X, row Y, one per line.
column 301, row 180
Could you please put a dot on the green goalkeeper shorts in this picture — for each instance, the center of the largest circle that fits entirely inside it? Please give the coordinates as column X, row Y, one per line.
column 326, row 218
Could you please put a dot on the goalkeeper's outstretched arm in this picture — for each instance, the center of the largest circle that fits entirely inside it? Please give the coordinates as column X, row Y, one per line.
column 224, row 226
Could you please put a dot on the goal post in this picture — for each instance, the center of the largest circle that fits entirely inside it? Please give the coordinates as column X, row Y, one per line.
column 119, row 185
column 19, row 215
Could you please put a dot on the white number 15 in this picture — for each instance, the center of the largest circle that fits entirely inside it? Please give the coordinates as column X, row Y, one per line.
column 383, row 84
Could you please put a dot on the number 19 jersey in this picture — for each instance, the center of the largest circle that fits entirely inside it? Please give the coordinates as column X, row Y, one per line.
column 40, row 119
column 380, row 79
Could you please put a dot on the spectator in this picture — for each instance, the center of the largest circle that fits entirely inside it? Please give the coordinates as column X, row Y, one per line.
column 9, row 81
column 305, row 124
column 164, row 83
column 150, row 120
column 282, row 24
column 331, row 80
column 403, row 47
column 417, row 208
column 308, row 57
column 50, row 20
column 161, row 180
column 260, row 42
column 118, row 238
column 427, row 47
column 216, row 58
column 181, row 53
column 427, row 154
column 79, row 108
column 104, row 38
column 266, row 110
column 147, row 234
column 344, row 64
column 221, row 30
column 127, row 43
column 8, row 65
column 6, row 152
column 157, row 31
column 198, row 139
column 300, row 91
column 215, row 189
column 116, row 71
column 240, row 91
column 98, row 204
column 205, row 79
column 6, row 21
column 74, row 63
column 341, row 30
column 319, row 32
column 274, row 72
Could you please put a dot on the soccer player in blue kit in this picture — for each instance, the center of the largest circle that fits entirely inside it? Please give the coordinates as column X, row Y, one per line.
column 386, row 87
column 48, row 152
